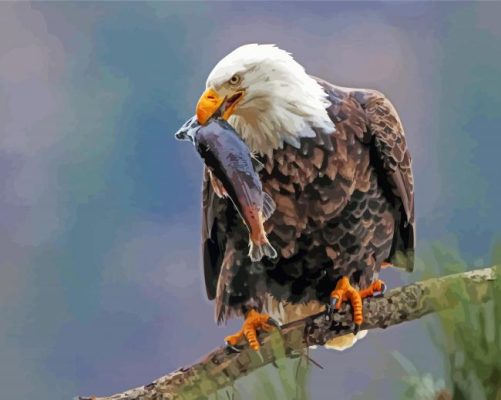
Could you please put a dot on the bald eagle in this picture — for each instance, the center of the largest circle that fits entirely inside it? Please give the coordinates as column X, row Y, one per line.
column 336, row 163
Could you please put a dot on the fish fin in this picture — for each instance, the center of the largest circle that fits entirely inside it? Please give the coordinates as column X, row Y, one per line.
column 258, row 165
column 257, row 252
column 268, row 206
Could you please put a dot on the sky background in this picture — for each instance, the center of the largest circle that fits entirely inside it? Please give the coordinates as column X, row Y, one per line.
column 100, row 278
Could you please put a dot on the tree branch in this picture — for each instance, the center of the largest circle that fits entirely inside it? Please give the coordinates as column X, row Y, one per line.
column 221, row 368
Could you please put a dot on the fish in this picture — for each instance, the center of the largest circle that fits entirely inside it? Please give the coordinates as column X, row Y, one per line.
column 228, row 158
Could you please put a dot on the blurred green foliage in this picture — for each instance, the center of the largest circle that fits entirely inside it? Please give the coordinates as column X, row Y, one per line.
column 468, row 336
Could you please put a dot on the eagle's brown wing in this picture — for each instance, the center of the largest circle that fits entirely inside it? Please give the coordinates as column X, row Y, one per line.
column 213, row 242
column 392, row 161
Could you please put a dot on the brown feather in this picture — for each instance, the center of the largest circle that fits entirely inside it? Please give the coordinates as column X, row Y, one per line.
column 344, row 204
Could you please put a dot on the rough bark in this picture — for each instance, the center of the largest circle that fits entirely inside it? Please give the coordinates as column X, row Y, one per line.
column 221, row 367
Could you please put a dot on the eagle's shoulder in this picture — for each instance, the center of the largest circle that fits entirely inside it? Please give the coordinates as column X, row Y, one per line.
column 311, row 184
column 370, row 116
column 347, row 110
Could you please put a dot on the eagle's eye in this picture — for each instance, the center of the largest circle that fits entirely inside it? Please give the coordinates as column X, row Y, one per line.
column 234, row 80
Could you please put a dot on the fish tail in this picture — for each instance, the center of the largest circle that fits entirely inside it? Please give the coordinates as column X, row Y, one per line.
column 258, row 251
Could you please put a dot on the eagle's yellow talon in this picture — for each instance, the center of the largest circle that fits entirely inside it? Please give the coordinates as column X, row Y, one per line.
column 377, row 288
column 345, row 292
column 233, row 339
column 254, row 321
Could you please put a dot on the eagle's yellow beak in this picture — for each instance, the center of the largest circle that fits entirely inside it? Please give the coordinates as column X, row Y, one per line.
column 211, row 101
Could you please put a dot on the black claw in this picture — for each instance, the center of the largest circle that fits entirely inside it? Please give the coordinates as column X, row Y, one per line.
column 330, row 308
column 232, row 348
column 334, row 301
column 356, row 329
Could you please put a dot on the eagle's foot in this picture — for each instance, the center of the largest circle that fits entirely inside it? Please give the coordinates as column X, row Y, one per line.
column 253, row 322
column 345, row 292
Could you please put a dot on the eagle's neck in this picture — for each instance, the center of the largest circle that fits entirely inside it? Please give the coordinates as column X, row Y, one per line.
column 269, row 119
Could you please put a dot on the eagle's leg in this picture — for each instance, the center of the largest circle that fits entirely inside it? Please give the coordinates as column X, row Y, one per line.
column 253, row 322
column 345, row 292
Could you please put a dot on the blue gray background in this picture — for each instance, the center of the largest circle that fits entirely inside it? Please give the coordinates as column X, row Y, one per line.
column 100, row 278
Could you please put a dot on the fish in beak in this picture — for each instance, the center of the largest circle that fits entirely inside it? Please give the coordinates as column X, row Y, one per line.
column 188, row 130
column 229, row 160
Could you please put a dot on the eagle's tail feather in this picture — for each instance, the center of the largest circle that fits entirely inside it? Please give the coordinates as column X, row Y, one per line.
column 344, row 342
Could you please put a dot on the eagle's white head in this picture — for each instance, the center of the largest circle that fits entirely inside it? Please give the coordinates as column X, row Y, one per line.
column 266, row 96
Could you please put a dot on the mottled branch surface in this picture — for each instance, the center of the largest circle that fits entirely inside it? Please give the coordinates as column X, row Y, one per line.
column 221, row 368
